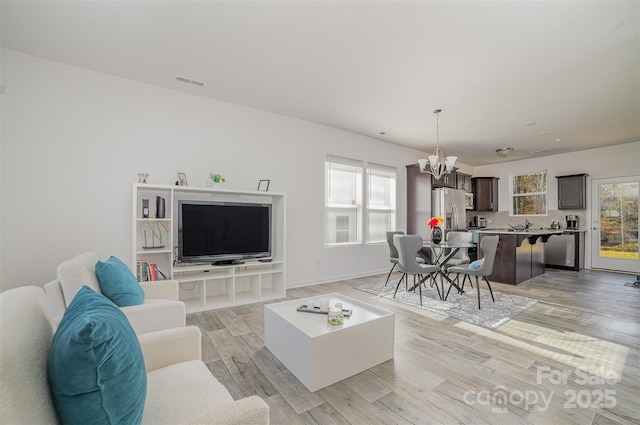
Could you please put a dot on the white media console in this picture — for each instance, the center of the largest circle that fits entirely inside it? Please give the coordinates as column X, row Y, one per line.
column 205, row 286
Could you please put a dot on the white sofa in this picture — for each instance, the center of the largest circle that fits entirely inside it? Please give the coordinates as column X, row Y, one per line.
column 180, row 387
column 161, row 308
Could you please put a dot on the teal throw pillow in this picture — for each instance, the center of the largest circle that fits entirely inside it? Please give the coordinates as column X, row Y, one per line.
column 118, row 283
column 96, row 369
column 476, row 264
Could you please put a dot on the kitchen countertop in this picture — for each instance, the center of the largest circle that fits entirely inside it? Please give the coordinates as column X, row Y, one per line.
column 531, row 234
column 529, row 231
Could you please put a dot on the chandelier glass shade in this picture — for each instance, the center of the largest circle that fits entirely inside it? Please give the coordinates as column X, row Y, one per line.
column 437, row 164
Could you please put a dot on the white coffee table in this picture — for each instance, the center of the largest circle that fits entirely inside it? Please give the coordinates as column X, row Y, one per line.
column 320, row 355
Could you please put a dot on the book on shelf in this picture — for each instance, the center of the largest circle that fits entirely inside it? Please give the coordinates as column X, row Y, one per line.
column 147, row 272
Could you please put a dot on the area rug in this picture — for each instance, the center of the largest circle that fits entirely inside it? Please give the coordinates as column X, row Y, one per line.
column 458, row 306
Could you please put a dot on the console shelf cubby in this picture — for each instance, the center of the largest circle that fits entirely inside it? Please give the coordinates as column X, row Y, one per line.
column 207, row 286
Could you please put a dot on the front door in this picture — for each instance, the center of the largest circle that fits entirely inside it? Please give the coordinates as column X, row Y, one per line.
column 614, row 227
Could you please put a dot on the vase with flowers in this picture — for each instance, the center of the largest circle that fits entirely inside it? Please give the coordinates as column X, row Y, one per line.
column 436, row 231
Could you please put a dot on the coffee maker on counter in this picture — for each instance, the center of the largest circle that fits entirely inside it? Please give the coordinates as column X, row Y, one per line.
column 572, row 221
column 479, row 221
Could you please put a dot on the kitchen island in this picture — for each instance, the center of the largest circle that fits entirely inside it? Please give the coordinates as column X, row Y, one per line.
column 520, row 254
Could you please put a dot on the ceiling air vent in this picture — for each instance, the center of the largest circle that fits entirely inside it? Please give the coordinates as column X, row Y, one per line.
column 190, row 81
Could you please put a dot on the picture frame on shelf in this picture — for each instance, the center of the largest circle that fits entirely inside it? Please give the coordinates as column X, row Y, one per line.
column 182, row 179
column 263, row 185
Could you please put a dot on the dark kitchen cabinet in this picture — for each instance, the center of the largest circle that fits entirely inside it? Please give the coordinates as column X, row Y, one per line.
column 447, row 180
column 463, row 182
column 519, row 257
column 572, row 192
column 485, row 193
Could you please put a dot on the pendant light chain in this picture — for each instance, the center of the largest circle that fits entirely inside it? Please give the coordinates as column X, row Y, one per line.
column 437, row 164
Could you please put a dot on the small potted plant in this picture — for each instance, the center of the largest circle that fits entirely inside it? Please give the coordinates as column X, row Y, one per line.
column 216, row 179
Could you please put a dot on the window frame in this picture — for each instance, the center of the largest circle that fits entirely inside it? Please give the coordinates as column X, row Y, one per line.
column 345, row 163
column 513, row 195
column 362, row 205
column 392, row 208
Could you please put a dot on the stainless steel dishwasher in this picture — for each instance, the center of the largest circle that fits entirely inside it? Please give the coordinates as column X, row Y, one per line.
column 561, row 251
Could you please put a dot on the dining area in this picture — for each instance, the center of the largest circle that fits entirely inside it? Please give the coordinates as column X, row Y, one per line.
column 441, row 265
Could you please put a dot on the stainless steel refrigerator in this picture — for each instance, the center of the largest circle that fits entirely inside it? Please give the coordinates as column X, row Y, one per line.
column 449, row 204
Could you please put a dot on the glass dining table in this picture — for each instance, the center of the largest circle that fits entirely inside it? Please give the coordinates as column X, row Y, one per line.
column 443, row 252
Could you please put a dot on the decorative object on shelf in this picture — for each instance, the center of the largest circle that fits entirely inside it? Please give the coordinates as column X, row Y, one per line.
column 158, row 229
column 436, row 231
column 160, row 207
column 216, row 178
column 504, row 152
column 142, row 177
column 263, row 185
column 182, row 180
column 438, row 164
column 145, row 208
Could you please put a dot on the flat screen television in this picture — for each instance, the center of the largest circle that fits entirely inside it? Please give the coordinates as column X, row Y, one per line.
column 223, row 232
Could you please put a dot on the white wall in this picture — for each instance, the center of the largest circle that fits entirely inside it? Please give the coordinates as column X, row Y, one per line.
column 72, row 142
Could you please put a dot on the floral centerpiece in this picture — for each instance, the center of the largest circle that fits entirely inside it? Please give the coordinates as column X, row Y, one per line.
column 435, row 221
column 436, row 231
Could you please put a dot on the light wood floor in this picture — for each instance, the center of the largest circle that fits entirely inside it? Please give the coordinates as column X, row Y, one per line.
column 573, row 358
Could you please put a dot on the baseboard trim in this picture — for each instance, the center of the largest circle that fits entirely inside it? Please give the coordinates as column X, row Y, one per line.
column 334, row 279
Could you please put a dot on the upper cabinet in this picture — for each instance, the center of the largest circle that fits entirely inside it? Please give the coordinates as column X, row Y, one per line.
column 463, row 182
column 572, row 192
column 447, row 180
column 485, row 193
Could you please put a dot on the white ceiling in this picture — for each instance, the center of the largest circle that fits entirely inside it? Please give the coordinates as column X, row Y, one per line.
column 572, row 67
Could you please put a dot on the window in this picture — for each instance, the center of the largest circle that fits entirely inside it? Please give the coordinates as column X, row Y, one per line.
column 529, row 194
column 347, row 215
column 381, row 202
column 343, row 201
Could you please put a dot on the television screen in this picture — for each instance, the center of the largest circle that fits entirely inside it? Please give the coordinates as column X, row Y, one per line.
column 223, row 231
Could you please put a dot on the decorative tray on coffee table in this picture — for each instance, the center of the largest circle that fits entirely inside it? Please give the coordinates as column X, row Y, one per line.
column 303, row 308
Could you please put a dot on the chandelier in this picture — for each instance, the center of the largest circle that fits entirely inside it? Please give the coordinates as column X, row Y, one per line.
column 437, row 164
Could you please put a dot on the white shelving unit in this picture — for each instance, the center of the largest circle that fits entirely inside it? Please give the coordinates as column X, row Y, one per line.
column 205, row 286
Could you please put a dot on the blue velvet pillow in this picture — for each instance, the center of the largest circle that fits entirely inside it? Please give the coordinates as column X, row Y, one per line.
column 118, row 283
column 476, row 264
column 96, row 369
